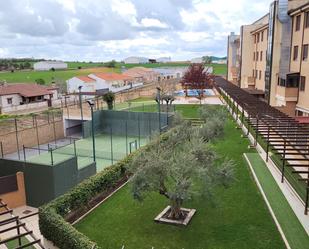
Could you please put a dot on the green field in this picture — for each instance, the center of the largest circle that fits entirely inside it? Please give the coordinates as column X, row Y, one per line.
column 76, row 64
column 60, row 76
column 237, row 218
column 293, row 230
column 219, row 69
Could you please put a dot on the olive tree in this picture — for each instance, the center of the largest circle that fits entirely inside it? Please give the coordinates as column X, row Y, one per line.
column 178, row 165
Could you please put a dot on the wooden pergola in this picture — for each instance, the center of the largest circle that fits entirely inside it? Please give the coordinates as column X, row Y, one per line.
column 276, row 132
column 15, row 223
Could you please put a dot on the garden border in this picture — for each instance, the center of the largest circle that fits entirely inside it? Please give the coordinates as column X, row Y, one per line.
column 267, row 202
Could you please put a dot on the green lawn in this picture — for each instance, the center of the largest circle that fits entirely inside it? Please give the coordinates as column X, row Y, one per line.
column 76, row 64
column 219, row 69
column 47, row 76
column 292, row 228
column 238, row 218
column 187, row 111
column 14, row 243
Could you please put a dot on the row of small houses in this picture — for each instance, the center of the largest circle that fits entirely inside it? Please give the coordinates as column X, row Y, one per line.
column 29, row 97
column 114, row 82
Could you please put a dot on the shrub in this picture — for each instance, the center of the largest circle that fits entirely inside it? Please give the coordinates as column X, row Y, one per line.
column 207, row 112
column 51, row 216
column 40, row 81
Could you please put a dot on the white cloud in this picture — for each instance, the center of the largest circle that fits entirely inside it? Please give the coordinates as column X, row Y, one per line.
column 151, row 22
column 101, row 30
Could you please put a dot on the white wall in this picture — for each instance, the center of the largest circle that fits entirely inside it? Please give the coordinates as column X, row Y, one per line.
column 45, row 65
column 16, row 99
column 31, row 106
column 74, row 83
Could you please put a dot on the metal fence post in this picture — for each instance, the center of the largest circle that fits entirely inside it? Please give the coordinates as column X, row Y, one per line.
column 267, row 149
column 24, row 151
column 139, row 132
column 112, row 153
column 74, row 144
column 17, row 141
column 127, row 137
column 283, row 162
column 37, row 133
column 54, row 126
column 1, row 147
column 51, row 156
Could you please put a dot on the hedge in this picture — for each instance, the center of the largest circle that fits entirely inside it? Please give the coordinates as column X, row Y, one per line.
column 51, row 216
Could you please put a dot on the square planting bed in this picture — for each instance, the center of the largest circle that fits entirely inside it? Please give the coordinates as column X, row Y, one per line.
column 163, row 217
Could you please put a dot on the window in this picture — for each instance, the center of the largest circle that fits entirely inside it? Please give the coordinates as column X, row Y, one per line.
column 297, row 23
column 260, row 74
column 300, row 113
column 10, row 101
column 262, row 36
column 295, row 53
column 307, row 19
column 257, row 56
column 302, row 83
column 258, row 37
column 253, row 56
column 261, row 55
column 305, row 52
column 281, row 82
column 256, row 73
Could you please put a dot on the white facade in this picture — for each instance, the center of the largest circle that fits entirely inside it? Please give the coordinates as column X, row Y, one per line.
column 48, row 65
column 220, row 62
column 164, row 59
column 136, row 60
column 98, row 84
column 74, row 83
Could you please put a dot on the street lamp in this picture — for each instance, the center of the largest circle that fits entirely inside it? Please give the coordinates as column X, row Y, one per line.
column 81, row 107
column 91, row 104
column 158, row 98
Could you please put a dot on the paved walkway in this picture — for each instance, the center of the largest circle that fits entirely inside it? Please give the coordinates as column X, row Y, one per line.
column 32, row 223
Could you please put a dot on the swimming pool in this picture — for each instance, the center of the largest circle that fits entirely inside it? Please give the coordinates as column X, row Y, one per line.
column 194, row 93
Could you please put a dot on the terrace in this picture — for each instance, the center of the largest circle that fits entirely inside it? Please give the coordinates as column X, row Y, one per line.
column 238, row 217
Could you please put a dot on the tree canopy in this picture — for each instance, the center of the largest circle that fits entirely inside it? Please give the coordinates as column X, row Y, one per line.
column 177, row 160
column 197, row 77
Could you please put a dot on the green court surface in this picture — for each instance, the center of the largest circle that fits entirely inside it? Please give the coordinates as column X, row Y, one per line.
column 109, row 149
column 291, row 227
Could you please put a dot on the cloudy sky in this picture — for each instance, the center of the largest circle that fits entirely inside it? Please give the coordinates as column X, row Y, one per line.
column 101, row 30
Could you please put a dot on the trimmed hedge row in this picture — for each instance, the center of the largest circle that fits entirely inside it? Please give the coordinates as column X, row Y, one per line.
column 51, row 216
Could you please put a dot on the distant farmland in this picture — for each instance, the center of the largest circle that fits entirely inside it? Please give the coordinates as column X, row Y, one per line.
column 49, row 76
column 87, row 68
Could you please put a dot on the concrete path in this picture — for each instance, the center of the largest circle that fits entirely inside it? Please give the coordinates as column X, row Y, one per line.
column 32, row 223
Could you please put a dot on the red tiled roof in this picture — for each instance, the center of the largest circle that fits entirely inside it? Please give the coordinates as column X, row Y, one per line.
column 112, row 76
column 85, row 78
column 25, row 90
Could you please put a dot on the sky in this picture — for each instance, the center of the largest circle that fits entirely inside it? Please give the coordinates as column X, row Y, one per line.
column 102, row 30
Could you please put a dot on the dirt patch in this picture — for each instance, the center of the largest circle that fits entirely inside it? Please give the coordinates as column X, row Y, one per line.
column 76, row 214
